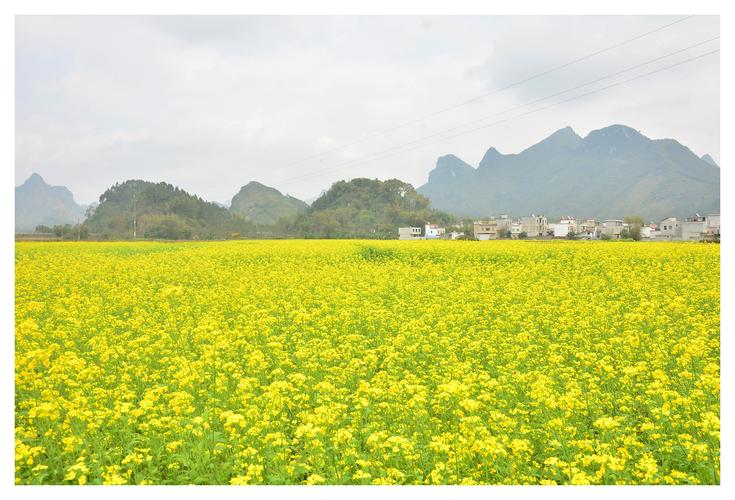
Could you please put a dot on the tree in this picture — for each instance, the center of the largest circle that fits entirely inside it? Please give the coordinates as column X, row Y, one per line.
column 571, row 234
column 635, row 219
column 522, row 235
column 605, row 237
column 635, row 223
column 167, row 227
column 63, row 232
column 44, row 229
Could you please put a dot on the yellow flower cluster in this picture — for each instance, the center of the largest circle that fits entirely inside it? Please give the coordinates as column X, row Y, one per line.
column 362, row 362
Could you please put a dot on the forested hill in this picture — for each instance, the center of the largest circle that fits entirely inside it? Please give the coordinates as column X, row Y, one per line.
column 366, row 208
column 265, row 205
column 161, row 211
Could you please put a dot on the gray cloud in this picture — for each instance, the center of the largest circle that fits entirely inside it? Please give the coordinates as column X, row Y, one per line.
column 210, row 103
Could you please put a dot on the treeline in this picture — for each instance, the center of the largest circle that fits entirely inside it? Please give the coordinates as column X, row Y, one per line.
column 360, row 208
column 65, row 231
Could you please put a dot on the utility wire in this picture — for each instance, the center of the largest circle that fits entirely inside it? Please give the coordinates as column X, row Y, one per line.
column 610, row 75
column 493, row 92
column 381, row 155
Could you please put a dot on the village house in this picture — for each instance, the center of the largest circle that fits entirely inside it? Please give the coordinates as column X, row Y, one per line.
column 588, row 229
column 669, row 229
column 492, row 228
column 613, row 228
column 484, row 230
column 409, row 233
column 504, row 221
column 693, row 228
column 564, row 227
column 433, row 231
column 534, row 225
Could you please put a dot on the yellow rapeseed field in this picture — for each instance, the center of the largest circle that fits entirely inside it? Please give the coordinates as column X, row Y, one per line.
column 363, row 362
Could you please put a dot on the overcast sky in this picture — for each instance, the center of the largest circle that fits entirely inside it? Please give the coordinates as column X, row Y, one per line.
column 211, row 103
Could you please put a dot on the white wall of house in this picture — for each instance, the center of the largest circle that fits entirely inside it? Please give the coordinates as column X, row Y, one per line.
column 561, row 230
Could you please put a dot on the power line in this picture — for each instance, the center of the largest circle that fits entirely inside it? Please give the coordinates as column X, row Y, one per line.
column 487, row 117
column 382, row 154
column 493, row 92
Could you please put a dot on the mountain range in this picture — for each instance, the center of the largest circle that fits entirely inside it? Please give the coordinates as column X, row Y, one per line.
column 610, row 173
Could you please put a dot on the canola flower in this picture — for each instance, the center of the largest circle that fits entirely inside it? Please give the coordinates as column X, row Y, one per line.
column 363, row 362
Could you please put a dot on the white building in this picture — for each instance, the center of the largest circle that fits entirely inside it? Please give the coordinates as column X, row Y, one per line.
column 409, row 233
column 566, row 225
column 572, row 221
column 433, row 232
column 562, row 230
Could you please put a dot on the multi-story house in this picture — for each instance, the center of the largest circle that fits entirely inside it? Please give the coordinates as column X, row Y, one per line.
column 433, row 231
column 669, row 229
column 485, row 229
column 693, row 228
column 409, row 233
column 613, row 228
column 534, row 225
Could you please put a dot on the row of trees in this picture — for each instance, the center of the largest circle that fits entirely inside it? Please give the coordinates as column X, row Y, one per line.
column 360, row 208
column 65, row 231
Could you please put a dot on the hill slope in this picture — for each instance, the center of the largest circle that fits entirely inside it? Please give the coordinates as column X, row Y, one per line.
column 265, row 205
column 366, row 208
column 37, row 203
column 613, row 172
column 160, row 211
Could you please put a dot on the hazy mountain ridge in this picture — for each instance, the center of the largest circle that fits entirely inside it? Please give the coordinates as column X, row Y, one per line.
column 38, row 203
column 612, row 172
